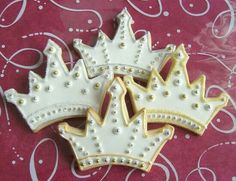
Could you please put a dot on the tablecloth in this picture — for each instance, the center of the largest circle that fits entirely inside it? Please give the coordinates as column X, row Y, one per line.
column 207, row 29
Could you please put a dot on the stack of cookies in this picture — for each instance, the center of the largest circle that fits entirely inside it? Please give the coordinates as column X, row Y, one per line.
column 117, row 138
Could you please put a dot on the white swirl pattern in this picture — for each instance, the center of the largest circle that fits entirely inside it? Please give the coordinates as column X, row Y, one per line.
column 231, row 24
column 195, row 14
column 162, row 166
column 81, row 10
column 88, row 175
column 19, row 15
column 147, row 14
column 33, row 171
column 51, row 35
column 5, row 107
column 34, row 66
column 230, row 10
column 200, row 168
column 229, row 114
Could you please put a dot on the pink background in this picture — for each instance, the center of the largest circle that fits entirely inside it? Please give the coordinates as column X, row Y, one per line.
column 45, row 155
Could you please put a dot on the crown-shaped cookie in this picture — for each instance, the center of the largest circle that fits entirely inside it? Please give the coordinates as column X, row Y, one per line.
column 176, row 100
column 124, row 54
column 116, row 139
column 61, row 94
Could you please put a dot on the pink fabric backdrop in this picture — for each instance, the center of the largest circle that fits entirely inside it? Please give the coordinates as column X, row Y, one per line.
column 25, row 27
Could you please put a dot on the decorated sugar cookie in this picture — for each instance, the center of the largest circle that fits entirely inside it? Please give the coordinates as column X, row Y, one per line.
column 176, row 100
column 116, row 139
column 124, row 54
column 61, row 94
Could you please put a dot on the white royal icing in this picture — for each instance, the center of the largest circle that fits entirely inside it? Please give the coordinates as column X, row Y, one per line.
column 61, row 94
column 124, row 54
column 116, row 139
column 176, row 100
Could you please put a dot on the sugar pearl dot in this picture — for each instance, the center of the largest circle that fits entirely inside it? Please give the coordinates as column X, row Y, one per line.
column 116, row 131
column 35, row 99
column 21, row 101
column 166, row 93
column 152, row 143
column 138, row 96
column 151, row 97
column 132, row 138
column 122, row 160
column 195, row 106
column 137, row 122
column 114, row 88
column 84, row 91
column 207, row 107
column 10, row 96
column 195, row 92
column 177, row 72
column 55, row 73
column 97, row 85
column 130, row 144
column 122, row 45
column 113, row 160
column 68, row 84
column 91, row 122
column 76, row 75
column 36, row 87
column 182, row 96
column 154, row 86
column 114, row 120
column 127, row 151
column 167, row 132
column 51, row 50
column 177, row 82
column 49, row 88
column 141, row 155
column 53, row 64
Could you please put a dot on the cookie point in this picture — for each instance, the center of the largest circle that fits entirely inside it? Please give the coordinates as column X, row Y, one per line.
column 10, row 94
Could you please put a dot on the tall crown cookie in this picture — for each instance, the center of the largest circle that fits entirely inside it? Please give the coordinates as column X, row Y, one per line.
column 124, row 54
column 176, row 100
column 116, row 139
column 61, row 94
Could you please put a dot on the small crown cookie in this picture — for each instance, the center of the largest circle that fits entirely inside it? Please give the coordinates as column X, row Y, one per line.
column 61, row 94
column 116, row 139
column 124, row 54
column 176, row 100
